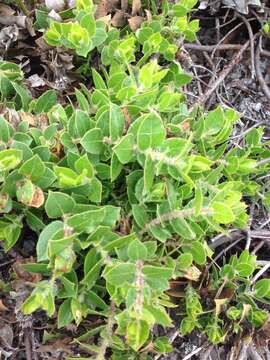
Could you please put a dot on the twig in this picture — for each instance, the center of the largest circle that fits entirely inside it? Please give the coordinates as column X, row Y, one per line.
column 221, row 47
column 228, row 248
column 250, row 34
column 206, row 354
column 247, row 130
column 7, row 263
column 263, row 161
column 243, row 352
column 224, row 37
column 234, row 234
column 27, row 343
column 105, row 342
column 194, row 352
column 22, row 6
column 225, row 72
column 207, row 57
column 259, row 75
column 261, row 272
column 253, row 354
column 175, row 214
column 267, row 353
column 249, row 225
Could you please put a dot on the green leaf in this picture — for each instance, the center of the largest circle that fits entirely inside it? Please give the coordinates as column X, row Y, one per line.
column 262, row 288
column 92, row 141
column 86, row 221
column 182, row 227
column 6, row 130
column 11, row 234
column 140, row 215
column 163, row 345
column 222, row 213
column 197, row 250
column 78, row 124
column 47, row 234
column 98, row 81
column 33, row 168
column 151, row 132
column 187, row 325
column 82, row 101
column 95, row 188
column 185, row 261
column 45, row 102
column 64, row 316
column 137, row 333
column 67, row 177
column 115, row 168
column 137, row 250
column 58, row 204
column 148, row 174
column 120, row 273
column 119, row 242
column 160, row 315
column 116, row 121
column 92, row 275
column 244, row 269
column 124, row 149
column 84, row 166
column 9, row 159
column 157, row 277
column 198, row 200
column 24, row 95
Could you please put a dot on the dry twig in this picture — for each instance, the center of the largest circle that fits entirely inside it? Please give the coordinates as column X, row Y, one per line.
column 259, row 75
column 252, row 51
column 224, row 73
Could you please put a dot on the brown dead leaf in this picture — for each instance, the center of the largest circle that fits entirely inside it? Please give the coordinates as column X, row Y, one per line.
column 56, row 5
column 29, row 118
column 102, row 9
column 42, row 45
column 106, row 19
column 2, row 306
column 124, row 5
column 36, row 81
column 227, row 293
column 193, row 273
column 105, row 7
column 30, row 27
column 176, row 293
column 19, row 20
column 54, row 16
column 6, row 10
column 8, row 35
column 148, row 15
column 136, row 7
column 262, row 336
column 22, row 273
column 38, row 198
column 6, row 334
column 119, row 19
column 135, row 22
column 13, row 117
column 56, row 346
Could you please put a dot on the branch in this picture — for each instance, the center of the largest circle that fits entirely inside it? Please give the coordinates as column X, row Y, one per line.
column 259, row 75
column 175, row 214
column 224, row 73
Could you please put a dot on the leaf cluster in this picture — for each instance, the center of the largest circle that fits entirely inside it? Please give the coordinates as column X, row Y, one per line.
column 125, row 186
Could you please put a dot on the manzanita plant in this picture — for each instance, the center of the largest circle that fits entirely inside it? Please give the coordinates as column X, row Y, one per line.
column 124, row 187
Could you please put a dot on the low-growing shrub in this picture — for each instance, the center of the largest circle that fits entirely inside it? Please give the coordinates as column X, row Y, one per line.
column 123, row 189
